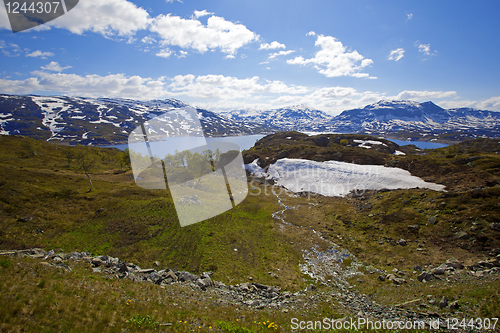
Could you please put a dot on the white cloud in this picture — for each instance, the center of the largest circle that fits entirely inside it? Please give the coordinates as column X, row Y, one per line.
column 55, row 67
column 109, row 18
column 311, row 33
column 425, row 49
column 334, row 60
column 148, row 40
column 272, row 46
column 280, row 53
column 165, row 53
column 40, row 54
column 182, row 54
column 10, row 49
column 396, row 54
column 409, row 16
column 230, row 56
column 191, row 33
column 201, row 13
column 419, row 95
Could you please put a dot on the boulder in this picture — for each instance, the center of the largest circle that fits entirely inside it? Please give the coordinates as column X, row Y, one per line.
column 424, row 276
column 454, row 263
column 186, row 276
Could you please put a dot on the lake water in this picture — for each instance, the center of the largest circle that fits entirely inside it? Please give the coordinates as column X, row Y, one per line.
column 420, row 144
column 162, row 148
column 169, row 146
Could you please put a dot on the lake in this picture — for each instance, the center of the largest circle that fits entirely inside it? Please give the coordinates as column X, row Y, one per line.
column 162, row 148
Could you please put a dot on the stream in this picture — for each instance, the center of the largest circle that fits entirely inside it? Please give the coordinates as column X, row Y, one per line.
column 326, row 267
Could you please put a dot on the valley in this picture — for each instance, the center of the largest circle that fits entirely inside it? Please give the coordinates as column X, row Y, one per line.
column 376, row 254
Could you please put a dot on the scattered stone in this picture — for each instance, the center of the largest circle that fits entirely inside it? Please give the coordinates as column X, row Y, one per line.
column 495, row 226
column 413, row 228
column 443, row 303
column 381, row 278
column 401, row 242
column 25, row 219
column 156, row 263
column 432, row 220
column 454, row 305
column 462, row 235
column 424, row 277
column 452, row 262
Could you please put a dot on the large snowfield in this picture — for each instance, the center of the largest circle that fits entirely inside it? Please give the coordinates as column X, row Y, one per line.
column 332, row 178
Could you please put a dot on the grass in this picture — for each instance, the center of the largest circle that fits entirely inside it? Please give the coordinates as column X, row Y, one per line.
column 45, row 203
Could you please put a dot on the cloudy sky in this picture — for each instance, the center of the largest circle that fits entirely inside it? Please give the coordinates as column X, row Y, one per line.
column 225, row 54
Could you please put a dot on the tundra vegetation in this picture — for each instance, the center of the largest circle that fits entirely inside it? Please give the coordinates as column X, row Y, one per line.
column 45, row 202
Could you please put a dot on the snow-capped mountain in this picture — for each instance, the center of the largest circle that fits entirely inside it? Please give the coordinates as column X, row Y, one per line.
column 97, row 121
column 387, row 117
column 297, row 117
column 383, row 118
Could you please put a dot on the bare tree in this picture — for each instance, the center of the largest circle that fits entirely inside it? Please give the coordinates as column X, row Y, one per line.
column 86, row 160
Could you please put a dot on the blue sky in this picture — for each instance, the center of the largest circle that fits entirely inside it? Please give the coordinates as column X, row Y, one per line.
column 225, row 54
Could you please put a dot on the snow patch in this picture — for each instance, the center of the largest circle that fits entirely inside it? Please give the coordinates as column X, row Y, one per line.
column 332, row 178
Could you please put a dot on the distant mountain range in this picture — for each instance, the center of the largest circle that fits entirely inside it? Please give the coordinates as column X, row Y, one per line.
column 382, row 118
column 105, row 120
column 98, row 121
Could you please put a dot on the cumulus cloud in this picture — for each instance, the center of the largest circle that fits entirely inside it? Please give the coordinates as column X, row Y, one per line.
column 55, row 67
column 272, row 46
column 409, row 16
column 108, row 18
column 165, row 53
column 191, row 33
column 335, row 60
column 201, row 13
column 280, row 53
column 396, row 54
column 311, row 33
column 40, row 54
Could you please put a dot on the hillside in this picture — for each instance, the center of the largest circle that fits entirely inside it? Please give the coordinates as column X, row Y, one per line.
column 274, row 237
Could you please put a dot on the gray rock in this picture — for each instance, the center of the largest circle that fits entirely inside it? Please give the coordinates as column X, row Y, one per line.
column 495, row 226
column 432, row 220
column 452, row 262
column 186, row 276
column 426, row 277
column 122, row 268
column 439, row 270
column 155, row 278
column 381, row 278
column 462, row 235
column 413, row 228
column 401, row 242
column 454, row 305
column 443, row 303
column 145, row 271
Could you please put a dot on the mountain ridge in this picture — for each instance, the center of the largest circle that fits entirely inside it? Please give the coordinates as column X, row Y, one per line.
column 103, row 121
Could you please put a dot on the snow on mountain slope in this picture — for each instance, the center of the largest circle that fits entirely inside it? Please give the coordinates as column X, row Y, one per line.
column 98, row 121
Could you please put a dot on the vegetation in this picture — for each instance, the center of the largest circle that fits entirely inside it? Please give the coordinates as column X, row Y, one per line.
column 44, row 203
